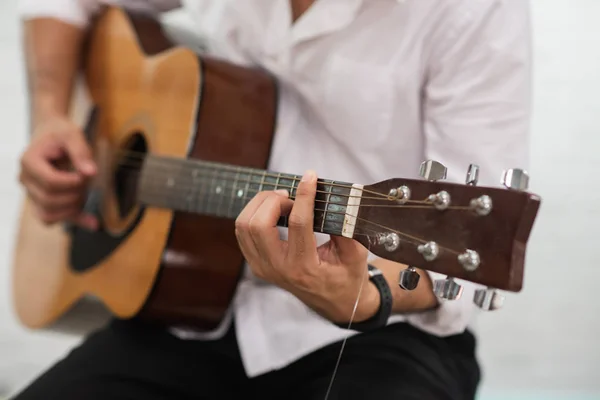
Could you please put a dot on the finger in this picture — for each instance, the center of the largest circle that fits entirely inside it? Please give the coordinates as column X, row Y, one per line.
column 73, row 215
column 44, row 174
column 301, row 220
column 80, row 154
column 52, row 217
column 54, row 201
column 349, row 251
column 86, row 221
column 248, row 247
column 242, row 228
column 263, row 227
column 243, row 219
column 242, row 225
column 283, row 192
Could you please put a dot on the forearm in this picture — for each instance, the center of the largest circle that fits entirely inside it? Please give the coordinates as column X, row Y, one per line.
column 420, row 299
column 52, row 53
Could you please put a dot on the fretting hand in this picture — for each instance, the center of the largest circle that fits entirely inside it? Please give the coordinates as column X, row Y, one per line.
column 326, row 278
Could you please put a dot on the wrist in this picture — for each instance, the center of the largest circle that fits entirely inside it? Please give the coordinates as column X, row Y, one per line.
column 369, row 303
column 377, row 304
column 46, row 107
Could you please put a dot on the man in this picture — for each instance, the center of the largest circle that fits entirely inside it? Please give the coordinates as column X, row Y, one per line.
column 368, row 89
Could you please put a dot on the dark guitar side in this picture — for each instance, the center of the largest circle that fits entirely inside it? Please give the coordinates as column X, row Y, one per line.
column 202, row 262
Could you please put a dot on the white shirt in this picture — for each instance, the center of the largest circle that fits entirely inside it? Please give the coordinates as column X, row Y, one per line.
column 369, row 89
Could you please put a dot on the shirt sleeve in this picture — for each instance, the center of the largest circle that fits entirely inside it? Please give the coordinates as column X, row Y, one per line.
column 476, row 110
column 75, row 12
column 78, row 12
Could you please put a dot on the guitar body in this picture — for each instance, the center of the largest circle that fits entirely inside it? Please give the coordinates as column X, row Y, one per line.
column 172, row 267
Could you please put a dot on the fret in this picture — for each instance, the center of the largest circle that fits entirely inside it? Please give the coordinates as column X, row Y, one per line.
column 195, row 190
column 240, row 191
column 243, row 195
column 331, row 202
column 262, row 181
column 256, row 183
column 202, row 199
column 232, row 197
column 336, row 207
column 323, row 187
column 286, row 182
column 277, row 182
column 223, row 190
column 144, row 185
column 270, row 182
column 325, row 212
column 223, row 182
column 210, row 190
column 294, row 186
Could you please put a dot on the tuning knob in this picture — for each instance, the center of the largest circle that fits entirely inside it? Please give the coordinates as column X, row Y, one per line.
column 472, row 175
column 516, row 179
column 488, row 299
column 433, row 171
column 409, row 279
column 447, row 289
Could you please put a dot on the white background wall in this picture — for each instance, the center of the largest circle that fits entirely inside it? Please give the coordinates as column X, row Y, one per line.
column 545, row 342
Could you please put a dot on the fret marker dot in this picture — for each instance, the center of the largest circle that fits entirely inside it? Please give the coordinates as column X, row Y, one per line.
column 240, row 193
column 170, row 182
column 219, row 190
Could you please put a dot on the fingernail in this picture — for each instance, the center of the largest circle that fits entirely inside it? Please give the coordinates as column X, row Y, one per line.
column 88, row 167
column 283, row 192
column 89, row 222
column 308, row 176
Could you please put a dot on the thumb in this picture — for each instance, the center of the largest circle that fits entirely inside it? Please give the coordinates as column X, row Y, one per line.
column 80, row 154
column 87, row 221
column 348, row 250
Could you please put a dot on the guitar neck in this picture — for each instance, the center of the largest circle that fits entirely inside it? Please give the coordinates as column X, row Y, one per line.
column 223, row 190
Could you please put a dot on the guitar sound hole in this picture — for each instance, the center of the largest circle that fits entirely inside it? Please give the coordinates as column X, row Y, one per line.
column 127, row 173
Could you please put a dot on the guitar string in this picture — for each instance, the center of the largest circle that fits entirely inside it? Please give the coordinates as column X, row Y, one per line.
column 225, row 188
column 259, row 173
column 365, row 220
column 425, row 204
column 255, row 191
column 179, row 187
column 345, row 213
column 179, row 191
column 318, row 220
column 182, row 162
column 342, row 348
column 265, row 173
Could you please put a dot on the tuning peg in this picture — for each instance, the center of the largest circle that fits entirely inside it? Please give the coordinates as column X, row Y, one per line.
column 433, row 170
column 447, row 289
column 429, row 250
column 516, row 179
column 473, row 175
column 488, row 299
column 470, row 260
column 409, row 279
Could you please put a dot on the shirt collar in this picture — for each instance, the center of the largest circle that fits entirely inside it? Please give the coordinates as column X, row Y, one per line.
column 325, row 16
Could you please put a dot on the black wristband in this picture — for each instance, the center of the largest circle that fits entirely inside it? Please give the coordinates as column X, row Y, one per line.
column 380, row 319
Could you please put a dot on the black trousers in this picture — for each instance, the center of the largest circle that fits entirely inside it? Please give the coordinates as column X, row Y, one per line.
column 133, row 361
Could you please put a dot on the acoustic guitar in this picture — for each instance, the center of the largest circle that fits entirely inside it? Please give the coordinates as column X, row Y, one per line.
column 182, row 142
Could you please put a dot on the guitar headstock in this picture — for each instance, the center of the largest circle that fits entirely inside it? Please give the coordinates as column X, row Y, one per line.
column 463, row 231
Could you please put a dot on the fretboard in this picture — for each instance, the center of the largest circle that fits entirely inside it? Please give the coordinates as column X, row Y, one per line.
column 223, row 190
